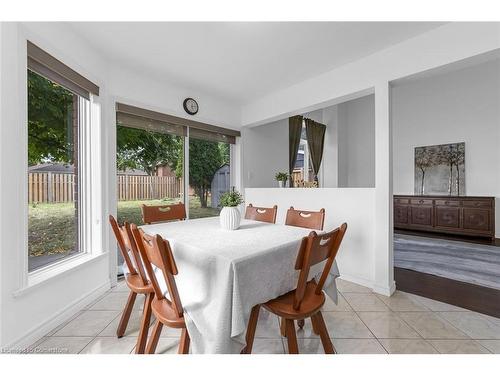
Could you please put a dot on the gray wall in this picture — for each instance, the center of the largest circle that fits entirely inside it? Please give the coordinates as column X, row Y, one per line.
column 264, row 152
column 459, row 106
column 356, row 143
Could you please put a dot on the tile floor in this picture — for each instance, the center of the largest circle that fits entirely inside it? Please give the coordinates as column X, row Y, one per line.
column 362, row 323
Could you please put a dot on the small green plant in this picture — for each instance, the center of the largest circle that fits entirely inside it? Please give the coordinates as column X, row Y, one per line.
column 281, row 176
column 231, row 198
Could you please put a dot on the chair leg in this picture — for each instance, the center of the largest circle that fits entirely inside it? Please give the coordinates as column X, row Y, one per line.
column 323, row 333
column 126, row 315
column 184, row 343
column 291, row 337
column 146, row 319
column 252, row 326
column 283, row 327
column 301, row 323
column 155, row 336
column 315, row 326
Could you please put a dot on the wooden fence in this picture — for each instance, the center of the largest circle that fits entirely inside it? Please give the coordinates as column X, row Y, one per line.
column 48, row 187
column 132, row 188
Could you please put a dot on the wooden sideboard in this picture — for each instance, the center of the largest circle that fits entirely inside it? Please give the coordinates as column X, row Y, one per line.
column 471, row 216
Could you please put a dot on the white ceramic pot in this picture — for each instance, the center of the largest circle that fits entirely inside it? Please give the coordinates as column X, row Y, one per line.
column 230, row 218
column 281, row 184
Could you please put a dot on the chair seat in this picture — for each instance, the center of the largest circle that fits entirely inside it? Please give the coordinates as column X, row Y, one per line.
column 136, row 284
column 283, row 305
column 165, row 313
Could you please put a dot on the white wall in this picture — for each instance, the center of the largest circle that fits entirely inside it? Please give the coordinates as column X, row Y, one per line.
column 264, row 152
column 356, row 258
column 459, row 106
column 356, row 143
column 29, row 310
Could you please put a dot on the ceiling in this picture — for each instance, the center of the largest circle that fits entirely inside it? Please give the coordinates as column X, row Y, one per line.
column 241, row 62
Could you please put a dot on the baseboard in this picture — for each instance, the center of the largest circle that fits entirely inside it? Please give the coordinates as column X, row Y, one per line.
column 58, row 318
column 385, row 290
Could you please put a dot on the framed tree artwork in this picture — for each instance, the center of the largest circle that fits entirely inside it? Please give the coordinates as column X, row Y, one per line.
column 440, row 169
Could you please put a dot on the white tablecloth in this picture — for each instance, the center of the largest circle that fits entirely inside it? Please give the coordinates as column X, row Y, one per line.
column 223, row 274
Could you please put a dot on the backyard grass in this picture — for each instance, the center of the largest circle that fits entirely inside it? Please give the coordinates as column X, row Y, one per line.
column 52, row 226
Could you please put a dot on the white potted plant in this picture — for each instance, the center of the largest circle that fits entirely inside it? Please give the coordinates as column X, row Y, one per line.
column 230, row 216
column 281, row 177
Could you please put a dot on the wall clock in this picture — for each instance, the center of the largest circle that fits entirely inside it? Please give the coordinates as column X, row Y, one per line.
column 190, row 106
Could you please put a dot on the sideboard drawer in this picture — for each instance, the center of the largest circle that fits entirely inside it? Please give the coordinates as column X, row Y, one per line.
column 401, row 201
column 448, row 203
column 477, row 204
column 422, row 201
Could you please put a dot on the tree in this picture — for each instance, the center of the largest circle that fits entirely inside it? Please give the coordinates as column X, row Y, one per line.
column 146, row 150
column 424, row 159
column 50, row 128
column 205, row 158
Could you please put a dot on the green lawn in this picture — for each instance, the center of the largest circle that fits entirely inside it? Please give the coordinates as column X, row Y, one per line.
column 52, row 227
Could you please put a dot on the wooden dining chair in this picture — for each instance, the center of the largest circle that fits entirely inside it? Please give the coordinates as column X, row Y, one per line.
column 137, row 281
column 264, row 214
column 156, row 251
column 308, row 298
column 157, row 214
column 305, row 219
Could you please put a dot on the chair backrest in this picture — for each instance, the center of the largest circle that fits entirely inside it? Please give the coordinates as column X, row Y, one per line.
column 156, row 214
column 156, row 251
column 315, row 249
column 265, row 214
column 305, row 219
column 128, row 248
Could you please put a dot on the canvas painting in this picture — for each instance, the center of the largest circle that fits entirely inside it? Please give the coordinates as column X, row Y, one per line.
column 440, row 169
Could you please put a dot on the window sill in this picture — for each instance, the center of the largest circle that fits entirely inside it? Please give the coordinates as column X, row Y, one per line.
column 58, row 270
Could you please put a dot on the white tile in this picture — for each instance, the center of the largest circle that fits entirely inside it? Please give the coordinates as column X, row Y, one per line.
column 400, row 301
column 358, row 346
column 434, row 305
column 117, row 302
column 110, row 345
column 407, row 346
column 89, row 323
column 268, row 346
column 492, row 345
column 121, row 286
column 387, row 325
column 473, row 324
column 64, row 323
column 348, row 287
column 133, row 326
column 458, row 347
column 62, row 345
column 340, row 324
column 167, row 345
column 341, row 305
column 431, row 326
column 365, row 302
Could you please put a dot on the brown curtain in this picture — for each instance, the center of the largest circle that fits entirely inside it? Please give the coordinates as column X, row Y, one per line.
column 315, row 141
column 294, row 133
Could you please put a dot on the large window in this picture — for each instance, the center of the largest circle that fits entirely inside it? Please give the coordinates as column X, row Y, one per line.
column 59, row 162
column 149, row 169
column 209, row 175
column 53, row 171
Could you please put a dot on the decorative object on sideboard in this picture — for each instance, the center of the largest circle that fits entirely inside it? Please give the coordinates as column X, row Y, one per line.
column 471, row 216
column 190, row 106
column 440, row 169
column 282, row 178
column 230, row 216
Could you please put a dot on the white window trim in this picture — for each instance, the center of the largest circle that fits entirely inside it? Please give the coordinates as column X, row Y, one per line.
column 90, row 244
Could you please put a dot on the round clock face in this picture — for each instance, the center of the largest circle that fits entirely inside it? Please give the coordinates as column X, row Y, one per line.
column 190, row 106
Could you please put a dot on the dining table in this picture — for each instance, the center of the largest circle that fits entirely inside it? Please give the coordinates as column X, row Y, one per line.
column 223, row 273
